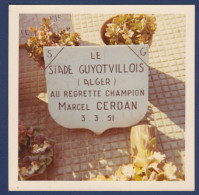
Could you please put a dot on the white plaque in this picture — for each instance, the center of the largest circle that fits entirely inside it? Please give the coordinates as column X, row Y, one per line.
column 97, row 87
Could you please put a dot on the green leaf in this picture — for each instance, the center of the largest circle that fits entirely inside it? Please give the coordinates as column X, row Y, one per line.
column 49, row 160
column 35, row 157
column 49, row 153
column 52, row 142
column 42, row 169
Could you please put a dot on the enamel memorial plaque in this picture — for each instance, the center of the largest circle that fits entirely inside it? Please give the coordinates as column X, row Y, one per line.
column 97, row 87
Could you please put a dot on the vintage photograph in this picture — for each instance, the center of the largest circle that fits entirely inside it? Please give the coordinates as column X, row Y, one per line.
column 101, row 96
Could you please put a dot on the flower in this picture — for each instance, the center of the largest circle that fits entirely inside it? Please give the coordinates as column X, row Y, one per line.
column 170, row 171
column 30, row 170
column 154, row 166
column 128, row 170
column 40, row 148
column 140, row 161
column 158, row 156
column 35, row 151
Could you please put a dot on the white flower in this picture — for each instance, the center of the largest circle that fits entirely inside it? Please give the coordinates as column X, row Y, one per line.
column 154, row 166
column 169, row 171
column 158, row 156
column 128, row 170
column 30, row 170
column 37, row 149
column 67, row 40
column 49, row 33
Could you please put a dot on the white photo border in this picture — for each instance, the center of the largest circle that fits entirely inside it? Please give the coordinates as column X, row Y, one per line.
column 187, row 185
